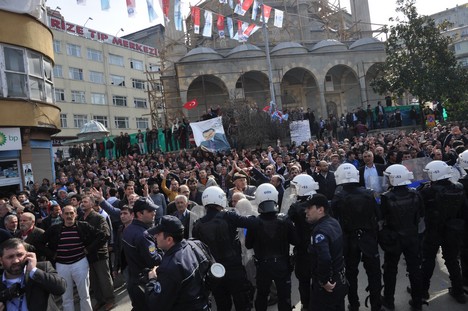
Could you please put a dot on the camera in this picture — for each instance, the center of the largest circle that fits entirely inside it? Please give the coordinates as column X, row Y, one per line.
column 12, row 292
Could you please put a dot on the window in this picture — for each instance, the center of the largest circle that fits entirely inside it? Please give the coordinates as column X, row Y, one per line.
column 136, row 64
column 117, row 80
column 58, row 73
column 102, row 119
column 138, row 84
column 116, row 60
column 63, row 120
column 79, row 120
column 140, row 103
column 59, row 95
column 73, row 50
column 57, row 46
column 154, row 67
column 98, row 98
column 96, row 77
column 142, row 123
column 15, row 71
column 94, row 55
column 121, row 122
column 75, row 73
column 78, row 97
column 26, row 74
column 158, row 86
column 119, row 100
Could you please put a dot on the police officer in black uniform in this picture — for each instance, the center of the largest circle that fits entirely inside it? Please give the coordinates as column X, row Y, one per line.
column 329, row 285
column 402, row 210
column 140, row 251
column 304, row 186
column 463, row 164
column 271, row 241
column 445, row 204
column 178, row 283
column 218, row 230
column 356, row 210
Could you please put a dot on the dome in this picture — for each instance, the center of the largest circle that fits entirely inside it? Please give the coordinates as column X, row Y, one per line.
column 246, row 50
column 200, row 54
column 329, row 45
column 367, row 44
column 288, row 48
column 92, row 127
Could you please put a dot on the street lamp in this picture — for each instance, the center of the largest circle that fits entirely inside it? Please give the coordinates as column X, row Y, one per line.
column 89, row 19
column 121, row 29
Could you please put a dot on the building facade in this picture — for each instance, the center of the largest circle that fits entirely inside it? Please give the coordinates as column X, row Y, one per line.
column 28, row 114
column 100, row 77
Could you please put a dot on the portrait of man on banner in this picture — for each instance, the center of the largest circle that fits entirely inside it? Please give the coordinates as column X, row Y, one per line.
column 209, row 135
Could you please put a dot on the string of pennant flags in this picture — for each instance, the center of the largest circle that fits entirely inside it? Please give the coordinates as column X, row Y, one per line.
column 183, row 8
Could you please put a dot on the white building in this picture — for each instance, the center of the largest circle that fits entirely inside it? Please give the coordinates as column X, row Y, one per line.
column 99, row 77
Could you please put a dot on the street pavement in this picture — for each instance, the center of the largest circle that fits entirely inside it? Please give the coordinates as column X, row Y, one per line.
column 439, row 297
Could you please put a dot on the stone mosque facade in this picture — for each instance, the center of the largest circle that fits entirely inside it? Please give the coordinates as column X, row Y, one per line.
column 323, row 59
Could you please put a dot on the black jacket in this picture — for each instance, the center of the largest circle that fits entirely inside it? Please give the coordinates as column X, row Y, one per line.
column 45, row 281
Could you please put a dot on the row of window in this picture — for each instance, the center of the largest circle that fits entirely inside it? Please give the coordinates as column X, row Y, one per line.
column 119, row 122
column 96, row 55
column 25, row 74
column 79, row 97
column 97, row 77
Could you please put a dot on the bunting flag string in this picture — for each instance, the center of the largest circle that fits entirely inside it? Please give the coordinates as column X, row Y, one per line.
column 207, row 29
column 278, row 19
column 177, row 16
column 266, row 14
column 255, row 9
column 220, row 26
column 230, row 27
column 151, row 11
column 196, row 19
column 81, row 2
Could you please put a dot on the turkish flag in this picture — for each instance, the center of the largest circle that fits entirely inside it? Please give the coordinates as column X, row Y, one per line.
column 266, row 108
column 191, row 104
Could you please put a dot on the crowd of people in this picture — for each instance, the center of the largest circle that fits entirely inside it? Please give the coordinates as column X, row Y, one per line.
column 103, row 217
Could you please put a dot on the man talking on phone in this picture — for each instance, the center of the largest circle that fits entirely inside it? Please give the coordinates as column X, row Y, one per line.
column 26, row 284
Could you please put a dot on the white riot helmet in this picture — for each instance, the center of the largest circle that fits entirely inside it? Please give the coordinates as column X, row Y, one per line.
column 398, row 175
column 305, row 185
column 463, row 159
column 214, row 195
column 266, row 198
column 438, row 170
column 346, row 173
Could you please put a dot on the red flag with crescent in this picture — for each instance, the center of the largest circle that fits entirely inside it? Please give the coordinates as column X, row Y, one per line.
column 191, row 104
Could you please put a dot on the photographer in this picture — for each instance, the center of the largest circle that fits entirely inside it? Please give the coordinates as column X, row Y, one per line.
column 26, row 281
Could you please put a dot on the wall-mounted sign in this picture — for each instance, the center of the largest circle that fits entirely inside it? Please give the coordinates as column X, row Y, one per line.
column 10, row 138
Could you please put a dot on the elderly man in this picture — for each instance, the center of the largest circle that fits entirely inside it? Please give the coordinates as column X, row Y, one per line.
column 183, row 190
column 369, row 173
column 32, row 235
column 184, row 215
column 11, row 224
column 240, row 185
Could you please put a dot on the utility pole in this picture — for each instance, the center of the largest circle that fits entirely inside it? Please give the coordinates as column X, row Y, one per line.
column 267, row 51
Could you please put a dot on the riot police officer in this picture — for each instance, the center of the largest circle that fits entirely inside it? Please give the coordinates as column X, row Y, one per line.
column 178, row 283
column 304, row 186
column 445, row 205
column 329, row 285
column 218, row 230
column 356, row 210
column 402, row 210
column 271, row 239
column 463, row 163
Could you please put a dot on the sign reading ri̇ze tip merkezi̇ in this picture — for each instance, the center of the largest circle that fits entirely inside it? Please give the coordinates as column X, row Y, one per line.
column 10, row 138
column 62, row 25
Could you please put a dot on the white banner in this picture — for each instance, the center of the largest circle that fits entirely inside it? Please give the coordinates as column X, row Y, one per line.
column 31, row 7
column 300, row 131
column 209, row 135
column 208, row 24
column 10, row 138
column 278, row 19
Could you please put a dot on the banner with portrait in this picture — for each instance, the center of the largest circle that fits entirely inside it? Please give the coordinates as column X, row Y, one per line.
column 209, row 135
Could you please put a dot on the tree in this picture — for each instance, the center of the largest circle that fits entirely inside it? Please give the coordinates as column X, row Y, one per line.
column 420, row 61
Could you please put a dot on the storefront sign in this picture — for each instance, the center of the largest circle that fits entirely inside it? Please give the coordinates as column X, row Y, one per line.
column 62, row 25
column 10, row 138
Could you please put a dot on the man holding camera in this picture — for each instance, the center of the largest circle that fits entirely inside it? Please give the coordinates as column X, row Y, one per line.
column 27, row 283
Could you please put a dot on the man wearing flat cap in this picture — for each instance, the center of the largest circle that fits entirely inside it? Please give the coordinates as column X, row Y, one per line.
column 178, row 282
column 240, row 185
column 140, row 251
column 329, row 286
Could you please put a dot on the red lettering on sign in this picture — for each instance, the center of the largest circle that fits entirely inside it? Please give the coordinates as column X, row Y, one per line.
column 79, row 30
column 104, row 37
column 91, row 33
column 132, row 45
column 70, row 27
column 55, row 23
